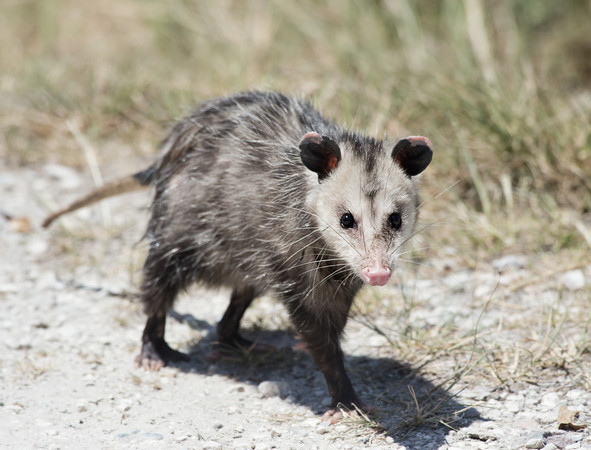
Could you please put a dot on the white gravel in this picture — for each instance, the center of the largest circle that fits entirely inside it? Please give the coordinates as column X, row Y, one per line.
column 69, row 331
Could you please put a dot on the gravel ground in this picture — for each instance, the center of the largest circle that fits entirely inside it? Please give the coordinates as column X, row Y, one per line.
column 70, row 328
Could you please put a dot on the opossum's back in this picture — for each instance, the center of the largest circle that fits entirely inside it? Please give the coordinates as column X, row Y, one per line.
column 253, row 126
column 232, row 181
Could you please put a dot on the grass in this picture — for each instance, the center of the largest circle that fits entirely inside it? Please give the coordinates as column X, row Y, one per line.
column 502, row 89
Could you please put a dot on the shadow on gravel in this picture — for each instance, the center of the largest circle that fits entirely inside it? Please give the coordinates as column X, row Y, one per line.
column 382, row 382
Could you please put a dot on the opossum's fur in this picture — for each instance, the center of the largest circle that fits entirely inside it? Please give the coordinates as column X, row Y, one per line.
column 236, row 206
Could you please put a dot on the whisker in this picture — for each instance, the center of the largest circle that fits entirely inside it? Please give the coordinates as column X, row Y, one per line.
column 435, row 197
column 416, row 232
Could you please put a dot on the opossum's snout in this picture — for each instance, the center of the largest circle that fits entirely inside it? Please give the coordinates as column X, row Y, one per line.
column 375, row 268
column 376, row 275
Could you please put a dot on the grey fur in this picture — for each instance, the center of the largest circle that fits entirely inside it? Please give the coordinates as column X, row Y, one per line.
column 235, row 206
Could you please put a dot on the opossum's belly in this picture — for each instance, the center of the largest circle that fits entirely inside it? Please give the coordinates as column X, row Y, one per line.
column 229, row 263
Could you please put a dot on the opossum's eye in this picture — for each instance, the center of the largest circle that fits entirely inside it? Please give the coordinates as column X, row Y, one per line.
column 395, row 221
column 347, row 220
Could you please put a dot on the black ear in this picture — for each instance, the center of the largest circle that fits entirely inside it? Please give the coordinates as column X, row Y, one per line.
column 413, row 154
column 320, row 154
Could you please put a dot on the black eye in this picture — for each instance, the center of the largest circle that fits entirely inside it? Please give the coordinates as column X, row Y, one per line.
column 395, row 221
column 347, row 220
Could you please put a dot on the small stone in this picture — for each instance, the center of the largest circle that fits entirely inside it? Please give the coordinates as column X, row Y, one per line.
column 323, row 428
column 218, row 426
column 67, row 176
column 576, row 394
column 242, row 445
column 269, row 389
column 477, row 393
column 341, row 428
column 17, row 409
column 124, row 405
column 551, row 400
column 509, row 262
column 37, row 246
column 471, row 413
column 389, row 440
column 535, row 443
column 211, row 445
column 573, row 280
column 572, row 446
column 550, row 446
column 298, row 432
column 154, row 436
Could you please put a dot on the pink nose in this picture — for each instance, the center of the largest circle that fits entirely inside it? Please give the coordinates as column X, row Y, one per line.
column 376, row 276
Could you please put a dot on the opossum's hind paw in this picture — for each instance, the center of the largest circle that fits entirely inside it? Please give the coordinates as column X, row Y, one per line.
column 238, row 346
column 339, row 412
column 156, row 355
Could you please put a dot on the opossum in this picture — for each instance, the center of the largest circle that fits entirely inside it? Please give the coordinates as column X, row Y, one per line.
column 259, row 192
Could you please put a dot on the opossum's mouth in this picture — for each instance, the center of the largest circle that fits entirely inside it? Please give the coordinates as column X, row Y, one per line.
column 376, row 275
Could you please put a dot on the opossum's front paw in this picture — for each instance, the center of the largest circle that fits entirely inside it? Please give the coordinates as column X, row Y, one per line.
column 334, row 415
column 154, row 356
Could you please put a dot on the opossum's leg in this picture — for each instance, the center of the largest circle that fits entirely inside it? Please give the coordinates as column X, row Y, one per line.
column 155, row 351
column 227, row 328
column 321, row 333
column 164, row 277
column 229, row 339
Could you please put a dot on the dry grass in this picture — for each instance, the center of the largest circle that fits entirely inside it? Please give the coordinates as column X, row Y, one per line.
column 501, row 88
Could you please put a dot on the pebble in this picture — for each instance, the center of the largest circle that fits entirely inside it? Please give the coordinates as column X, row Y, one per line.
column 573, row 280
column 298, row 432
column 341, row 428
column 17, row 409
column 37, row 246
column 262, row 446
column 154, row 436
column 550, row 446
column 551, row 400
column 211, row 445
column 124, row 405
column 509, row 262
column 269, row 389
column 459, row 281
column 242, row 446
column 577, row 395
column 68, row 177
column 535, row 443
column 323, row 428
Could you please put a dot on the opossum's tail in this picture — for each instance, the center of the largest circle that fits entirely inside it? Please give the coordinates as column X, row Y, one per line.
column 123, row 185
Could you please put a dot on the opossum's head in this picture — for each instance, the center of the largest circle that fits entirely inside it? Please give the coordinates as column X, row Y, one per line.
column 366, row 201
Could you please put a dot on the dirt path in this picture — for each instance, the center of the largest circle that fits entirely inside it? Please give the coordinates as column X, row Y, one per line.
column 70, row 327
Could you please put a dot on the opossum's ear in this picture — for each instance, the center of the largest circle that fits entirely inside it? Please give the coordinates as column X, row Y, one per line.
column 413, row 154
column 320, row 154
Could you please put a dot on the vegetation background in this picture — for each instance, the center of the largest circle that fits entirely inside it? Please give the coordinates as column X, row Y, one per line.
column 502, row 89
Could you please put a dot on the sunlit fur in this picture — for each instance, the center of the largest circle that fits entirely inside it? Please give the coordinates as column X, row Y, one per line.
column 235, row 206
